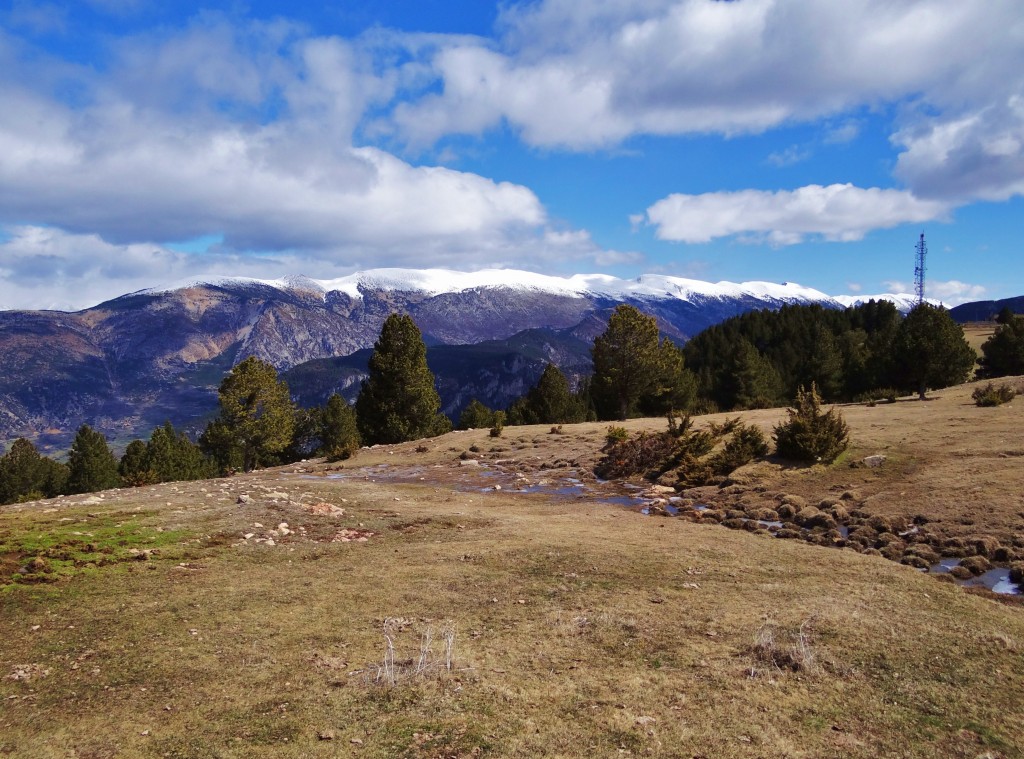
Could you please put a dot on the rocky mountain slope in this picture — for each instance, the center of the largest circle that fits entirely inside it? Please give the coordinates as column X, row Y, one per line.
column 126, row 365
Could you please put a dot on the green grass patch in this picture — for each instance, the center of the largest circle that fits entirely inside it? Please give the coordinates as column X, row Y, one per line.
column 35, row 551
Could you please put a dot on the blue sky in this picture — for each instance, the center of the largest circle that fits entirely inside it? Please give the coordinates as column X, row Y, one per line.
column 146, row 142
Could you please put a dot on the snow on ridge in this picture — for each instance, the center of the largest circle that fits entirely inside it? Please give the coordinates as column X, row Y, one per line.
column 903, row 301
column 433, row 282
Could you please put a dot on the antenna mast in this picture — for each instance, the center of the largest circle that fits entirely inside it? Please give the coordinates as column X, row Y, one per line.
column 922, row 251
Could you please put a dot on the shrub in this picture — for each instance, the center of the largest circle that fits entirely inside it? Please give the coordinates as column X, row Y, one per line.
column 746, row 444
column 993, row 395
column 615, row 435
column 644, row 454
column 811, row 435
column 872, row 397
column 499, row 424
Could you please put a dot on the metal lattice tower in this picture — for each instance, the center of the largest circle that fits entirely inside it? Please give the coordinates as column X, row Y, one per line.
column 922, row 251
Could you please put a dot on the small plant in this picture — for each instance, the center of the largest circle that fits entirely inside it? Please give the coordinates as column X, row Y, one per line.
column 499, row 424
column 556, row 430
column 615, row 435
column 993, row 395
column 785, row 648
column 427, row 662
column 811, row 435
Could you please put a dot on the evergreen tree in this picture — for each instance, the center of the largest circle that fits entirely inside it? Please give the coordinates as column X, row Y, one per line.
column 752, row 381
column 476, row 416
column 1003, row 352
column 339, row 430
column 257, row 418
column 173, row 457
column 398, row 401
column 550, row 401
column 27, row 475
column 811, row 435
column 676, row 386
column 626, row 363
column 134, row 466
column 930, row 350
column 91, row 464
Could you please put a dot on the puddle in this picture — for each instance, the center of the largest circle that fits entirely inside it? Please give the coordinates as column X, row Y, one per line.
column 997, row 580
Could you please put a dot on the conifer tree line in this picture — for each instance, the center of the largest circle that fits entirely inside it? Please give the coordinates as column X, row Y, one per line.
column 755, row 360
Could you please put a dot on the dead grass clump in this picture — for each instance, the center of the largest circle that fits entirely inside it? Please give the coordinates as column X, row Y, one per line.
column 785, row 648
column 426, row 662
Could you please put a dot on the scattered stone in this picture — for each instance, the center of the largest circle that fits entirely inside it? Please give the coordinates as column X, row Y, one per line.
column 244, row 498
column 325, row 509
column 873, row 462
column 91, row 501
column 325, row 735
column 277, row 496
column 469, row 462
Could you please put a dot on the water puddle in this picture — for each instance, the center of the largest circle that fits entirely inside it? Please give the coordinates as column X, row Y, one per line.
column 997, row 580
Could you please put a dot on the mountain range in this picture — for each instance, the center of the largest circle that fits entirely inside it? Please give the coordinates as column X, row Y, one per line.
column 129, row 364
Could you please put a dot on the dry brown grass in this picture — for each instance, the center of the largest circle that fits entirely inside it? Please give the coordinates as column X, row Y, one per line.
column 583, row 629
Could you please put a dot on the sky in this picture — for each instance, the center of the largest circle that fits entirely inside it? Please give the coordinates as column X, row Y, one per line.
column 144, row 142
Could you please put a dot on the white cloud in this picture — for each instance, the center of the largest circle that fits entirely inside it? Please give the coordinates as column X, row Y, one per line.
column 951, row 292
column 792, row 155
column 839, row 212
column 589, row 73
column 132, row 161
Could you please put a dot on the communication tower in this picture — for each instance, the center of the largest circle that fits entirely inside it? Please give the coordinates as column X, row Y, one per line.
column 922, row 251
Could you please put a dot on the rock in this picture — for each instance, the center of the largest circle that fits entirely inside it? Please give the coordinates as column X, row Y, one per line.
column 91, row 501
column 277, row 496
column 873, row 462
column 469, row 462
column 325, row 735
column 244, row 498
column 324, row 508
column 661, row 490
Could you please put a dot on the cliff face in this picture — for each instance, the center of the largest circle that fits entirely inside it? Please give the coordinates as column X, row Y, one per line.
column 129, row 364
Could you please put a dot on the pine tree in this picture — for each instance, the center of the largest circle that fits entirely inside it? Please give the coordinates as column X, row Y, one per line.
column 134, row 466
column 257, row 417
column 91, row 464
column 626, row 362
column 339, row 430
column 476, row 416
column 752, row 380
column 25, row 474
column 398, row 401
column 550, row 401
column 1003, row 352
column 930, row 350
column 676, row 388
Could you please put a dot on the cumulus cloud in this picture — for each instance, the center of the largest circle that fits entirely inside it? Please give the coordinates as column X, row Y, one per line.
column 175, row 142
column 838, row 212
column 586, row 73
